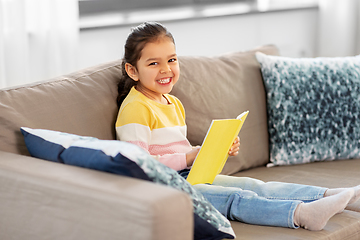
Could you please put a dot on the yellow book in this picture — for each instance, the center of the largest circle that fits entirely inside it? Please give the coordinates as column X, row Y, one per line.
column 214, row 151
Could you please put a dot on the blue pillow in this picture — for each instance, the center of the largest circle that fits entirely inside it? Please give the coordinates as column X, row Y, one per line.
column 129, row 160
column 313, row 108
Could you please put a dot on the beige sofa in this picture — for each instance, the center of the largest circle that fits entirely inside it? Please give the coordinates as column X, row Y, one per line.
column 45, row 200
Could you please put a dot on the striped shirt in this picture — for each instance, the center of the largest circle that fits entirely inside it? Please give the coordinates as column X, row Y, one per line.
column 158, row 128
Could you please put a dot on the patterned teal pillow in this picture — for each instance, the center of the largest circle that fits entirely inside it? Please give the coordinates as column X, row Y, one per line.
column 313, row 108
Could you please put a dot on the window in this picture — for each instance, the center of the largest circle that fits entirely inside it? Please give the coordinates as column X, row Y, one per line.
column 88, row 7
column 112, row 13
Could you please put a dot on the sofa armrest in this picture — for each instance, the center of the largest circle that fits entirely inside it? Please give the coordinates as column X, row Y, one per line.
column 46, row 200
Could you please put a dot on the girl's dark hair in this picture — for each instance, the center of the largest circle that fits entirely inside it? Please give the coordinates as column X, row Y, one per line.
column 136, row 41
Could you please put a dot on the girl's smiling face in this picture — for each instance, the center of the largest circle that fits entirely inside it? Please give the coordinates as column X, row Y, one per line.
column 157, row 70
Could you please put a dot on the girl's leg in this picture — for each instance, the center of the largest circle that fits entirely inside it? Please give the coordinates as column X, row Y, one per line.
column 281, row 190
column 247, row 206
column 334, row 191
column 272, row 190
column 314, row 215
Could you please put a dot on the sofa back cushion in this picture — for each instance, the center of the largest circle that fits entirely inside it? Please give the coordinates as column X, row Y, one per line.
column 84, row 103
column 223, row 87
column 81, row 103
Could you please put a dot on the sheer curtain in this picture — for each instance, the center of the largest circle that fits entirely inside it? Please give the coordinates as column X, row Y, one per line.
column 339, row 29
column 38, row 39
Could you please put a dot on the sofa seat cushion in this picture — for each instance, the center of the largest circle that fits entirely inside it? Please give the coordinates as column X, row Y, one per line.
column 334, row 174
column 340, row 227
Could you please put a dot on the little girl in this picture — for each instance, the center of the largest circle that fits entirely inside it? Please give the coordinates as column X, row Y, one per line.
column 154, row 120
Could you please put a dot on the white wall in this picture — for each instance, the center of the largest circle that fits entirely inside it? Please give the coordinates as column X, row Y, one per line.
column 294, row 32
column 358, row 30
column 339, row 28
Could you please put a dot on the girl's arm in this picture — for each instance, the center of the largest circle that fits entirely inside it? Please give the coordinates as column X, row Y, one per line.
column 133, row 125
column 140, row 136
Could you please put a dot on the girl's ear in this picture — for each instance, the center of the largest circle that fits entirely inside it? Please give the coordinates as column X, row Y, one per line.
column 131, row 71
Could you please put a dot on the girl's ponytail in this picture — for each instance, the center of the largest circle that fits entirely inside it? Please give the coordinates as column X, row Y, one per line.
column 124, row 86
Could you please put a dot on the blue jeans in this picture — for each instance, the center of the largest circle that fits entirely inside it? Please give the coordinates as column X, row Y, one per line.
column 252, row 201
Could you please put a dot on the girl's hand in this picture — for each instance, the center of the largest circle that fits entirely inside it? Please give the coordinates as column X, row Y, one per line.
column 234, row 150
column 190, row 156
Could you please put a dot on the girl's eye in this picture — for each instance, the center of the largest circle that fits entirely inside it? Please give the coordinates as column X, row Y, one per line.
column 173, row 60
column 153, row 63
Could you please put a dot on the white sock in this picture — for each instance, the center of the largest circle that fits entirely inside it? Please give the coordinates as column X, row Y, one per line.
column 334, row 191
column 314, row 215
